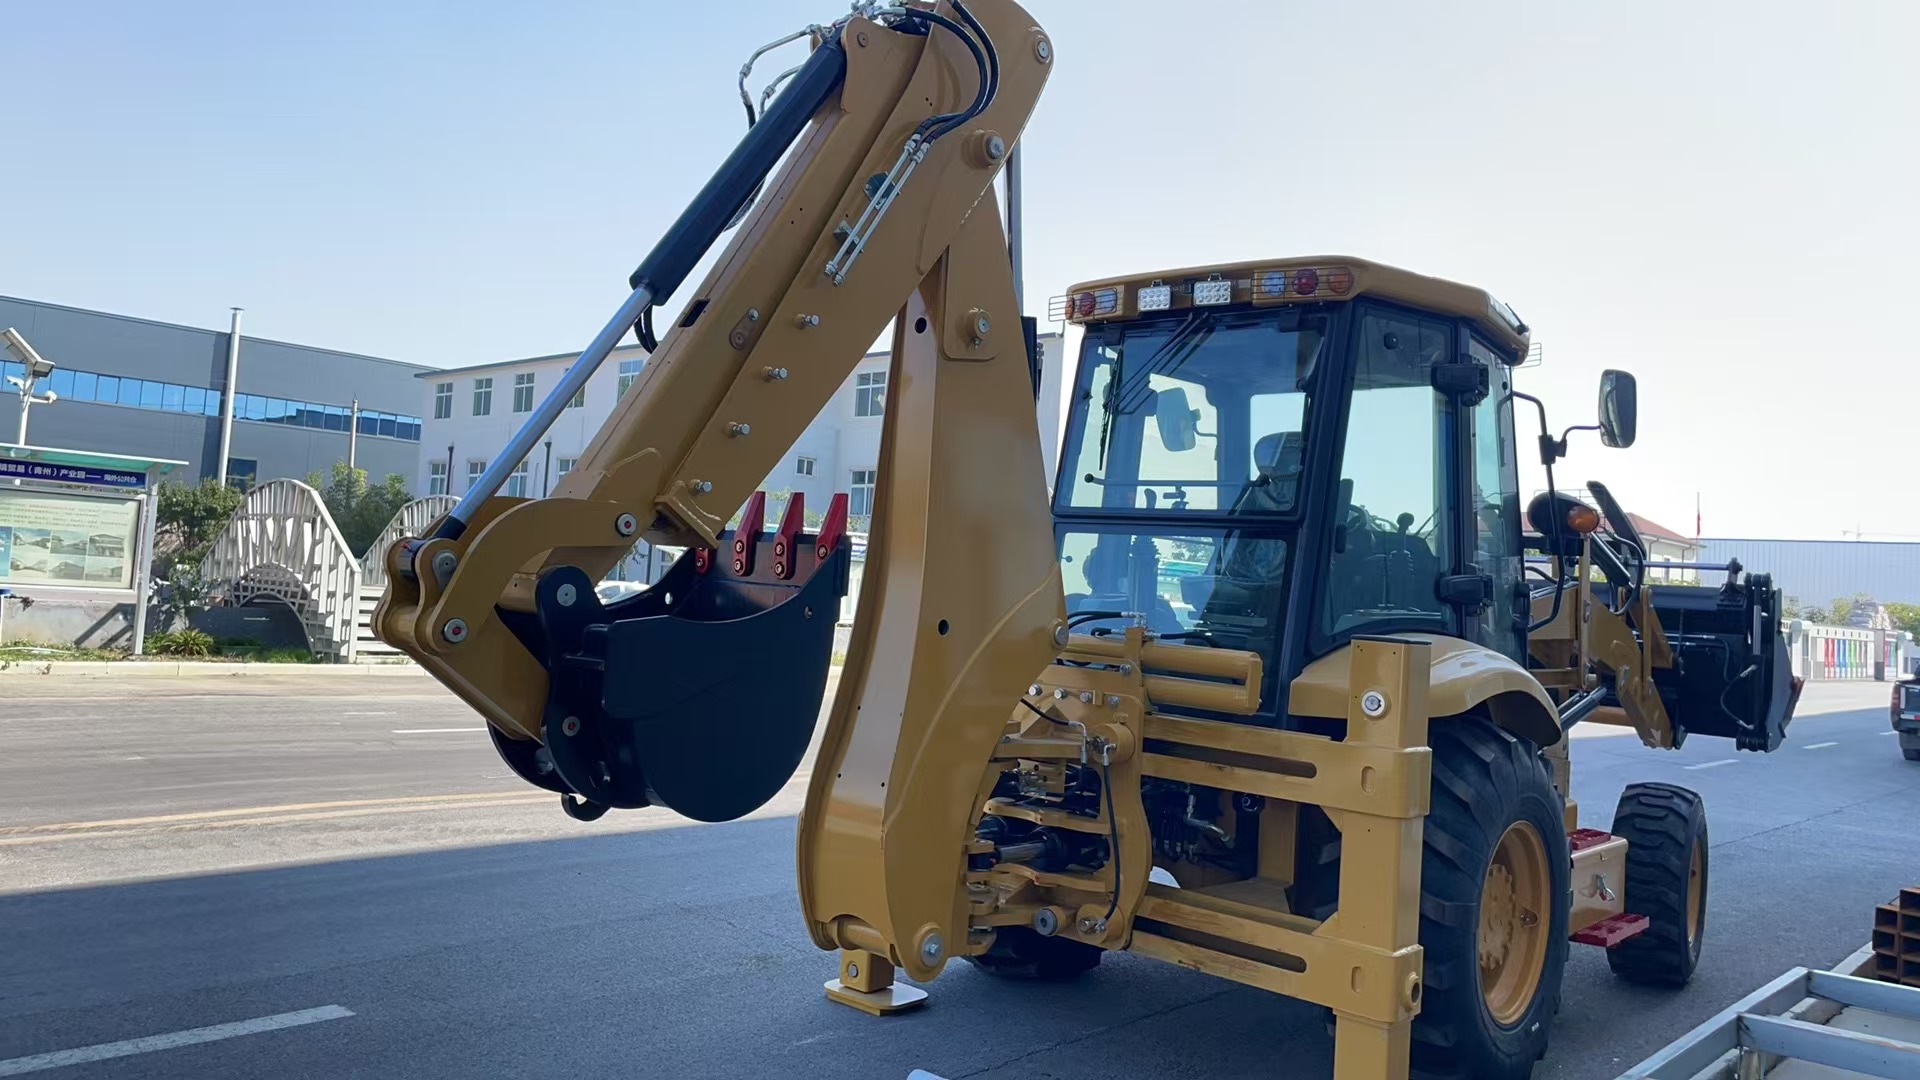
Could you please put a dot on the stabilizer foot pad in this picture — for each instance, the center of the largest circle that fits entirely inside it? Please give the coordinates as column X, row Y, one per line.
column 893, row 999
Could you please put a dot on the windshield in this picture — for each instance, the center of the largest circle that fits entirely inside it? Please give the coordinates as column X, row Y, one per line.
column 1204, row 413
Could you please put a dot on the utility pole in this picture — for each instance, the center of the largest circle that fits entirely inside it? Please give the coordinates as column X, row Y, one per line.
column 353, row 433
column 226, row 407
column 34, row 369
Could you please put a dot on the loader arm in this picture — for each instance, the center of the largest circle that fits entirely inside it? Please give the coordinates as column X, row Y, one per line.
column 701, row 694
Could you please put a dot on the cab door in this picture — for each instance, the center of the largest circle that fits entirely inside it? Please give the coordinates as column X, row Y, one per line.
column 1492, row 497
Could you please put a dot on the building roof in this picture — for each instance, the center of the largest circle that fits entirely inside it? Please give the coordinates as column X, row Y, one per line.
column 434, row 373
column 618, row 351
column 1647, row 527
column 244, row 336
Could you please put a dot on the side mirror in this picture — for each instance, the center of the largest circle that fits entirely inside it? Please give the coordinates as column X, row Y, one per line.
column 1179, row 422
column 1618, row 407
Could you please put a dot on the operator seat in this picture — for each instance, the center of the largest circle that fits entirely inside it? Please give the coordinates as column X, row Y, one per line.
column 1247, row 591
column 1279, row 458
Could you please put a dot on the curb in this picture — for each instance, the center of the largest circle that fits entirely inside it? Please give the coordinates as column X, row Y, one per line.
column 148, row 669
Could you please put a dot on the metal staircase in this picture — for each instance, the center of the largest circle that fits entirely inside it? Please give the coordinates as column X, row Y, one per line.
column 282, row 545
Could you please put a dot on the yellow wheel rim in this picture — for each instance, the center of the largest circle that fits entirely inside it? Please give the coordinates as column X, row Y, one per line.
column 1515, row 910
column 1696, row 896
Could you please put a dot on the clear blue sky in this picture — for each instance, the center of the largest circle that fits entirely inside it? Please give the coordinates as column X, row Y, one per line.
column 1717, row 196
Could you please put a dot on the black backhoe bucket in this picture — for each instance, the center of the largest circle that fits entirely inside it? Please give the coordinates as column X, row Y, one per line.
column 699, row 694
column 1731, row 675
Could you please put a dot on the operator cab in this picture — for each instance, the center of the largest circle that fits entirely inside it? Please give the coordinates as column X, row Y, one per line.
column 1279, row 457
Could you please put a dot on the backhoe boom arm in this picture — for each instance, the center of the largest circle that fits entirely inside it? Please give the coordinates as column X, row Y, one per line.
column 701, row 693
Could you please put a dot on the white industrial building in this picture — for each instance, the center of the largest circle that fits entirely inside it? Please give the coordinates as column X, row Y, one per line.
column 471, row 412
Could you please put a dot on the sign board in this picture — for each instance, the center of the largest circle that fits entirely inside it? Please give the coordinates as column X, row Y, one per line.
column 75, row 541
column 72, row 474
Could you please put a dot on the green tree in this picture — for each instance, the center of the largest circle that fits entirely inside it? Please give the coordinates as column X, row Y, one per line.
column 188, row 520
column 1905, row 617
column 360, row 509
column 777, row 508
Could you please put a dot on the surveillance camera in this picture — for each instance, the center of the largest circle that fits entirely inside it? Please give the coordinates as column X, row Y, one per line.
column 18, row 348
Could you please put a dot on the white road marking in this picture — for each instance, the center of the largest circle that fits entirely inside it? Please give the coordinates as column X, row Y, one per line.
column 149, row 1043
column 505, row 800
column 1713, row 764
column 1819, row 745
column 254, row 812
column 388, row 712
column 1889, row 733
column 434, row 730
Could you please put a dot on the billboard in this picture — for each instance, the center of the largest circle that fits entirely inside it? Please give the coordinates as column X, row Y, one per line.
column 76, row 541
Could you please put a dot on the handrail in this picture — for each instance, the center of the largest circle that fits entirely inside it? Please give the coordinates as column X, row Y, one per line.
column 283, row 529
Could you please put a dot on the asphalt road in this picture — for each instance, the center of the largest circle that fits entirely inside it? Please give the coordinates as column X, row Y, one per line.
column 341, row 880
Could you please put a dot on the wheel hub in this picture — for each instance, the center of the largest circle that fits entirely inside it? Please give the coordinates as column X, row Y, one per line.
column 1512, row 934
column 1496, row 916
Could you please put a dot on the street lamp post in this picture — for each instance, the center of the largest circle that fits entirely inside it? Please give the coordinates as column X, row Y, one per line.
column 36, row 369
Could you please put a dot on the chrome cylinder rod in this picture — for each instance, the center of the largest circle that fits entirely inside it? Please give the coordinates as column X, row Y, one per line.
column 549, row 409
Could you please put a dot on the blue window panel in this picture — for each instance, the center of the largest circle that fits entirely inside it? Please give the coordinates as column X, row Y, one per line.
column 193, row 399
column 130, row 392
column 108, row 390
column 336, row 418
column 277, row 410
column 62, row 382
column 216, row 403
column 173, row 398
column 85, row 385
column 369, row 425
column 387, row 424
column 251, row 406
column 410, row 428
column 152, row 394
column 312, row 416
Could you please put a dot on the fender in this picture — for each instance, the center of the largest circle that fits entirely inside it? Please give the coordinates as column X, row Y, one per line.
column 1464, row 676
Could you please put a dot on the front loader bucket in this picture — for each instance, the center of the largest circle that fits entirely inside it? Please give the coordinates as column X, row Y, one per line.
column 699, row 694
column 1732, row 676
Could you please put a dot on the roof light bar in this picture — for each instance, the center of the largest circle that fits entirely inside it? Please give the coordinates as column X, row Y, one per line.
column 1212, row 292
column 1302, row 283
column 1092, row 304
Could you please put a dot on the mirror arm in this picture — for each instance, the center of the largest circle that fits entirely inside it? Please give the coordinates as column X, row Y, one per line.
column 1571, row 430
column 1551, row 449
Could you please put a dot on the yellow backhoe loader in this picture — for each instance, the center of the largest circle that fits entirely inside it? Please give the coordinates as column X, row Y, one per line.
column 1277, row 687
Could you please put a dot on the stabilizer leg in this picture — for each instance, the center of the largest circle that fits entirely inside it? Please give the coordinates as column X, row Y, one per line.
column 866, row 983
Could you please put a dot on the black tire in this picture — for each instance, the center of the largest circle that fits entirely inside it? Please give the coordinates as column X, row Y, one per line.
column 1485, row 780
column 1019, row 952
column 1910, row 755
column 1664, row 827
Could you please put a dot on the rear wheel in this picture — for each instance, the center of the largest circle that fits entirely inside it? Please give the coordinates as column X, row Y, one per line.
column 1493, row 906
column 1019, row 952
column 1666, row 832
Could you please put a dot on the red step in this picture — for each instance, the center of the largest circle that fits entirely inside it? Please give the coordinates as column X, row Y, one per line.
column 1610, row 932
